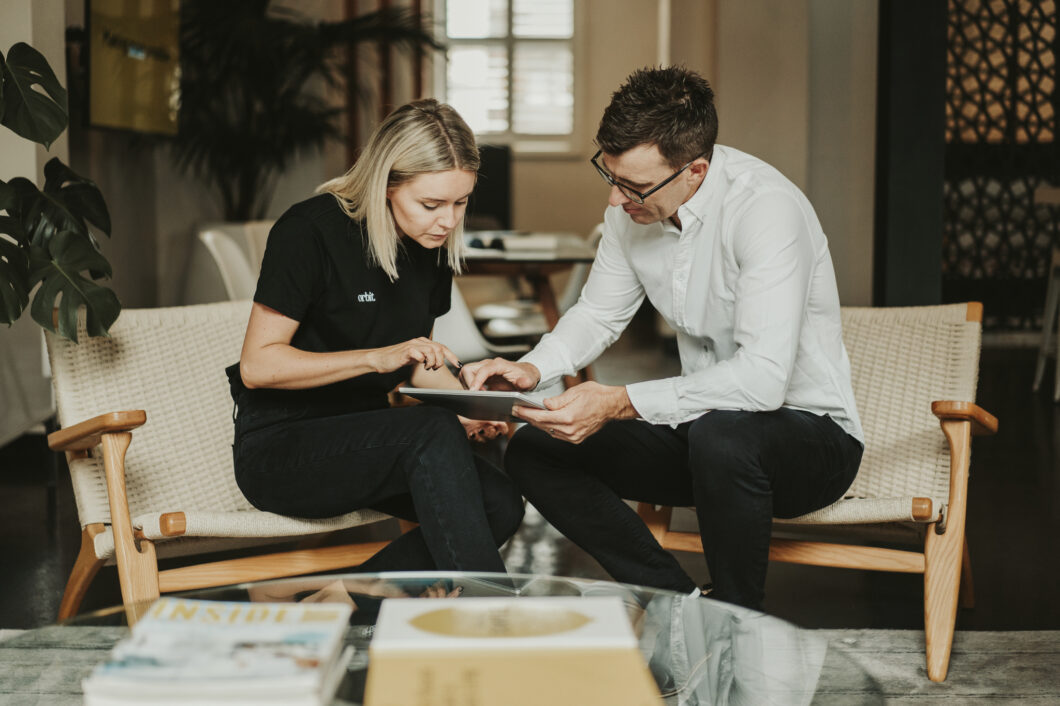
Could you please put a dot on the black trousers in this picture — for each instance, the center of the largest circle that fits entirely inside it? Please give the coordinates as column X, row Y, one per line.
column 739, row 470
column 411, row 462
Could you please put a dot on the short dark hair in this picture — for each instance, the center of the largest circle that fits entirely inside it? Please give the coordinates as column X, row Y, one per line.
column 671, row 108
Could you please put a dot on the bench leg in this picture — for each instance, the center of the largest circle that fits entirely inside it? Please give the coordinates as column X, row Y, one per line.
column 943, row 554
column 85, row 569
column 1049, row 325
column 966, row 598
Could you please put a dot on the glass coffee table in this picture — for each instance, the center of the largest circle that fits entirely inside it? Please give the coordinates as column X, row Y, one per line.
column 699, row 651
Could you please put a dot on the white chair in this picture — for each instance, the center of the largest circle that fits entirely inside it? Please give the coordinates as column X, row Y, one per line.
column 173, row 491
column 233, row 264
column 457, row 330
column 913, row 369
column 522, row 318
column 255, row 234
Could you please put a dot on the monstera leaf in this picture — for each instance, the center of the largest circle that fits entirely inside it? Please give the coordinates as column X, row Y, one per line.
column 45, row 240
column 49, row 241
column 35, row 115
column 75, row 195
column 14, row 280
column 58, row 268
column 14, row 257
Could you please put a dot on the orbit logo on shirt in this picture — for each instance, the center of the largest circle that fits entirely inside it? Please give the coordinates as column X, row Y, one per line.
column 366, row 297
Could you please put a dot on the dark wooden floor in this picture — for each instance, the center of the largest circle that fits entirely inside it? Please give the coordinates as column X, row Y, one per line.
column 1013, row 525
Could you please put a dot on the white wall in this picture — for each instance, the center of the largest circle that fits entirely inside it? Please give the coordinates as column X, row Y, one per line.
column 842, row 140
column 565, row 193
column 24, row 391
column 796, row 86
column 763, row 80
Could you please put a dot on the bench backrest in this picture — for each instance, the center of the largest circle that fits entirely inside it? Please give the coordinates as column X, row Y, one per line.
column 902, row 359
column 169, row 362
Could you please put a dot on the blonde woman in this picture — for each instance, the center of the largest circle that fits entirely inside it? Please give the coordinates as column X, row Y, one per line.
column 351, row 283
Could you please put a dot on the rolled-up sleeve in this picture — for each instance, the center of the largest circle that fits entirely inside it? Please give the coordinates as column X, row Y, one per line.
column 611, row 296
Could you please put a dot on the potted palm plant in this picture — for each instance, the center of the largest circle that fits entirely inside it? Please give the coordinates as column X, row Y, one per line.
column 252, row 90
column 45, row 238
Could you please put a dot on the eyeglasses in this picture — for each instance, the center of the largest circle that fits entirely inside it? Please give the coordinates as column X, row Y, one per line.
column 632, row 194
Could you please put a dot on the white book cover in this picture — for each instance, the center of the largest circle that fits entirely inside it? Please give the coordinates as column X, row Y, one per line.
column 545, row 623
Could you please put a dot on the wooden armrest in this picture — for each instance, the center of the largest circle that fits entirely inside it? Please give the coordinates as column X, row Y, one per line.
column 982, row 421
column 86, row 435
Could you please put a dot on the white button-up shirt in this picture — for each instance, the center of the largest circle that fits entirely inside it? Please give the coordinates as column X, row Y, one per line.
column 747, row 283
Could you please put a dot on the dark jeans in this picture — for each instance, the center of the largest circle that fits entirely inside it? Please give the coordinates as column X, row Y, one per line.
column 739, row 469
column 411, row 462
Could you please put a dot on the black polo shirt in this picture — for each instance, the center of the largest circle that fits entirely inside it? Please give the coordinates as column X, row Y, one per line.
column 316, row 271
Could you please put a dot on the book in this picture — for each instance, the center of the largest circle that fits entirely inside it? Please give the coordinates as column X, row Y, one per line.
column 561, row 651
column 188, row 651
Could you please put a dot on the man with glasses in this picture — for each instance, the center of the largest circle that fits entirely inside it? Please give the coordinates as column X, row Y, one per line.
column 761, row 423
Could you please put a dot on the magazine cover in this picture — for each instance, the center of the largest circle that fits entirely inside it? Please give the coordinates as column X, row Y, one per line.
column 259, row 651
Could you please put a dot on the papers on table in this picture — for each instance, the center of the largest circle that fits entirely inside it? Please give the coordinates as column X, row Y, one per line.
column 493, row 241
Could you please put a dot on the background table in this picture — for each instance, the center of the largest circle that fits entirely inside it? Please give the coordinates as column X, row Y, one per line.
column 699, row 651
column 560, row 252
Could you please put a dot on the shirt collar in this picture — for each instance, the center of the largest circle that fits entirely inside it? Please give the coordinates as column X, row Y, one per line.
column 694, row 208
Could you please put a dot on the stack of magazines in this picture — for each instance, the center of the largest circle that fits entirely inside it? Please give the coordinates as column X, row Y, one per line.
column 204, row 652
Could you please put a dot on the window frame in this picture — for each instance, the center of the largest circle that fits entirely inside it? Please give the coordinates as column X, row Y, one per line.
column 523, row 144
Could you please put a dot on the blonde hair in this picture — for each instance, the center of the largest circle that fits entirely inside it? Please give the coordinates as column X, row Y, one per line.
column 420, row 137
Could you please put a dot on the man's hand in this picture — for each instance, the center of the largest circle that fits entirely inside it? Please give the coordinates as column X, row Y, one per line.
column 500, row 374
column 580, row 411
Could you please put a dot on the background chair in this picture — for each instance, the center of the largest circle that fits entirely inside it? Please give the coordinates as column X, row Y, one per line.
column 233, row 264
column 255, row 235
column 457, row 330
column 522, row 319
column 1050, row 327
column 171, row 490
column 913, row 368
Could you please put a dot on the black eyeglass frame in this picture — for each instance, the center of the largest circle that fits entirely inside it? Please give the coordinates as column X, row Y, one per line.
column 629, row 192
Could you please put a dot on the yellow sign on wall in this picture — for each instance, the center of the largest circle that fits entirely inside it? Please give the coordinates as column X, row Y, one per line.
column 134, row 65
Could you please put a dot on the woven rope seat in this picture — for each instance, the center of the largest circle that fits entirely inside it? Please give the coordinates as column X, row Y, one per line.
column 902, row 360
column 168, row 362
column 914, row 372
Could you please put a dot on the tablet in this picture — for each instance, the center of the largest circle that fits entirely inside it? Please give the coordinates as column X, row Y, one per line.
column 475, row 404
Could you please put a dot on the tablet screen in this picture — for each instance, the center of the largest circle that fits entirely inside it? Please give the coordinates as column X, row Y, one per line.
column 475, row 404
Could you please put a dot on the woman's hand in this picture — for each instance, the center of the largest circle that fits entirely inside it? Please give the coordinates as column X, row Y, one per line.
column 480, row 430
column 419, row 350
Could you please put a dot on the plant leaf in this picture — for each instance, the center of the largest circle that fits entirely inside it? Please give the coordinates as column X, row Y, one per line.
column 250, row 99
column 80, row 196
column 9, row 225
column 14, row 281
column 3, row 74
column 43, row 214
column 8, row 198
column 32, row 114
column 58, row 269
